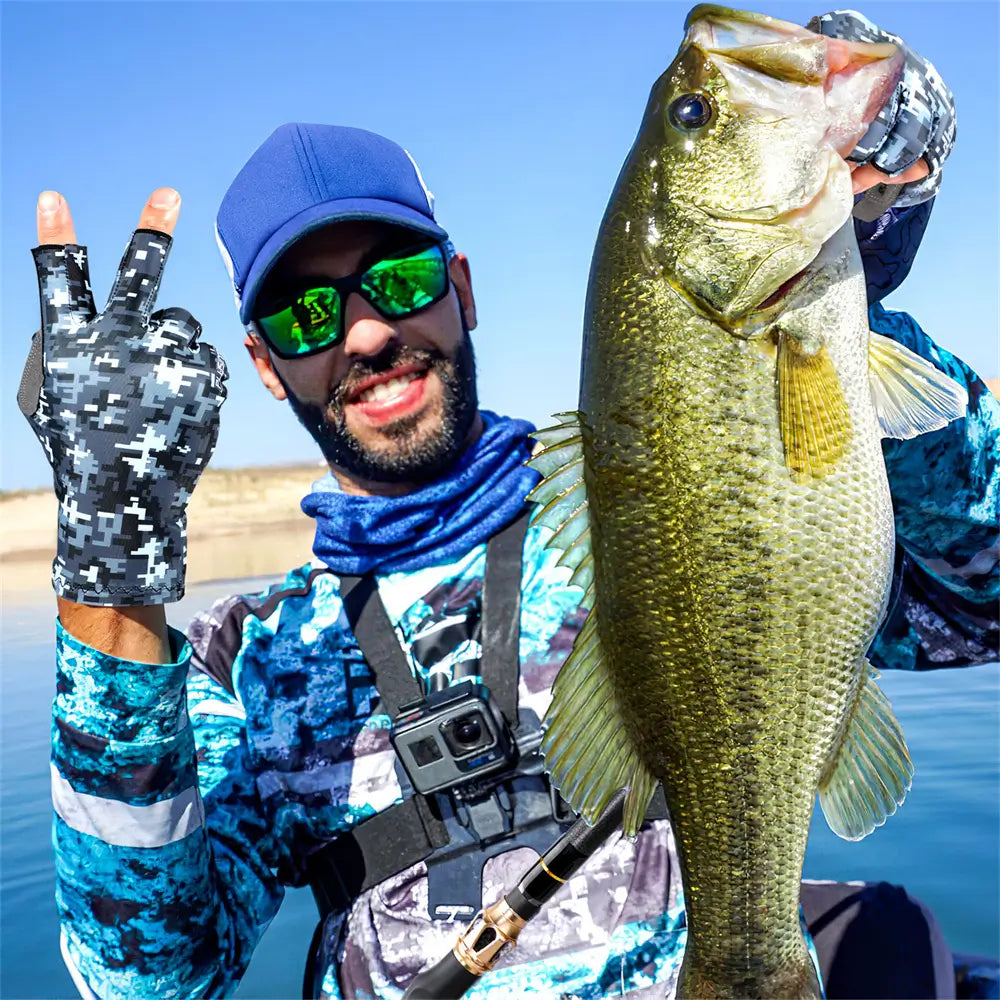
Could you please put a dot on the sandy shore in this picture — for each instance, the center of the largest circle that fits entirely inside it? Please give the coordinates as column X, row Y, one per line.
column 241, row 523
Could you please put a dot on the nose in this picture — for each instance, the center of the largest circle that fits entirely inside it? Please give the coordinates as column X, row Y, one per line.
column 366, row 331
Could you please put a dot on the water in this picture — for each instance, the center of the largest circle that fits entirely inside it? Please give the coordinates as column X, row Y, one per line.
column 942, row 845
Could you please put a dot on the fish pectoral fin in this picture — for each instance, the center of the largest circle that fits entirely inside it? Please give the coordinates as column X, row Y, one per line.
column 911, row 396
column 562, row 497
column 872, row 771
column 815, row 424
column 587, row 750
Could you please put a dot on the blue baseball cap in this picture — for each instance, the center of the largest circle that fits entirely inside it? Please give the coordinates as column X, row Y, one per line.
column 305, row 176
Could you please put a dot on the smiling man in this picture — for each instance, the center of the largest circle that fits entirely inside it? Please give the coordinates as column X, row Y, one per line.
column 387, row 409
column 370, row 725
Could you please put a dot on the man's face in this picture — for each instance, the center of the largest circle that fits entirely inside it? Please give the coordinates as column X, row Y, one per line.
column 395, row 401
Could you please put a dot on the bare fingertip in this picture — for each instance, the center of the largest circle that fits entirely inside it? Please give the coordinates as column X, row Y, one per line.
column 165, row 199
column 49, row 202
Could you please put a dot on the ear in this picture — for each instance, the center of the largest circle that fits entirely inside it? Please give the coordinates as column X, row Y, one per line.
column 461, row 278
column 261, row 358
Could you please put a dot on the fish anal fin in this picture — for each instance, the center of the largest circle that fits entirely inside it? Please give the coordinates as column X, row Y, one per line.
column 872, row 771
column 815, row 424
column 911, row 396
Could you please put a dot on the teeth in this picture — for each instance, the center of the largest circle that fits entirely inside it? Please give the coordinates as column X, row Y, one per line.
column 386, row 390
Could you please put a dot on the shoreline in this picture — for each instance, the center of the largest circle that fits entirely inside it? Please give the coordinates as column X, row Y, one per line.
column 241, row 523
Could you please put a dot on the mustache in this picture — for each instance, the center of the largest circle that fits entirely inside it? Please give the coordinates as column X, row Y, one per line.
column 392, row 356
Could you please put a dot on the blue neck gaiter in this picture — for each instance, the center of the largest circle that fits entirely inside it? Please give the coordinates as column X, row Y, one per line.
column 438, row 523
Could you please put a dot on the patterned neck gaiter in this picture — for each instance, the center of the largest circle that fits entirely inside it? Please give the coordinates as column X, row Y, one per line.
column 439, row 522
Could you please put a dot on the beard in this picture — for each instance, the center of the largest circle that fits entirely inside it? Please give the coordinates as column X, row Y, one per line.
column 409, row 456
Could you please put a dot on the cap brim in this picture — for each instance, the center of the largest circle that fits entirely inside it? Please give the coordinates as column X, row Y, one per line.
column 316, row 216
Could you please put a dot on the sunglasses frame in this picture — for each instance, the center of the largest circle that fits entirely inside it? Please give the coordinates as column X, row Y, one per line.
column 352, row 283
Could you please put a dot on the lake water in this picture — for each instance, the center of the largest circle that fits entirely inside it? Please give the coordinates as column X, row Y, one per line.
column 943, row 845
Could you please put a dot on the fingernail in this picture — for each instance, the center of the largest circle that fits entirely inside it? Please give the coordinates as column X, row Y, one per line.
column 48, row 202
column 165, row 198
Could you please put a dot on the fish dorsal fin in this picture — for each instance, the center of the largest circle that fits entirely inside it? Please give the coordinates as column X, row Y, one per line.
column 815, row 424
column 562, row 497
column 911, row 396
column 872, row 771
column 587, row 751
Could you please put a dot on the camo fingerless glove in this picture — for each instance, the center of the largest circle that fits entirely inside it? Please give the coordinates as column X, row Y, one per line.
column 918, row 120
column 126, row 405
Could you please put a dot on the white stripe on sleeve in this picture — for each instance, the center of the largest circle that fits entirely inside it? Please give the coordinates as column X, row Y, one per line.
column 122, row 824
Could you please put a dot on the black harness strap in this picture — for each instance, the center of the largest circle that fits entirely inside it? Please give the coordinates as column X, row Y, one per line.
column 501, row 627
column 501, row 616
column 377, row 849
column 373, row 629
column 403, row 834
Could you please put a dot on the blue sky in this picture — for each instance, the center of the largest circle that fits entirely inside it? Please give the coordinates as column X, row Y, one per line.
column 518, row 113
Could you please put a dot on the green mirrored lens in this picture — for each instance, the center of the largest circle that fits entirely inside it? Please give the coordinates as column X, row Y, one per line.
column 401, row 285
column 310, row 322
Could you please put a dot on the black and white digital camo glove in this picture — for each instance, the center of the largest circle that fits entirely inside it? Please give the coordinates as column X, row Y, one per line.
column 126, row 406
column 918, row 120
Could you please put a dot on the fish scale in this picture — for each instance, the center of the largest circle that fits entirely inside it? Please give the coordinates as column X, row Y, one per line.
column 721, row 493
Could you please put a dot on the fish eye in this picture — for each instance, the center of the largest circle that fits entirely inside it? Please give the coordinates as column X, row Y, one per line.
column 690, row 111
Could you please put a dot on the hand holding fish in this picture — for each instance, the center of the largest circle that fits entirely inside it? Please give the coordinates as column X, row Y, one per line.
column 913, row 133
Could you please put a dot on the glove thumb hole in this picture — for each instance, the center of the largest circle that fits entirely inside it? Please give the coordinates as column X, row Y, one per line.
column 177, row 323
column 30, row 389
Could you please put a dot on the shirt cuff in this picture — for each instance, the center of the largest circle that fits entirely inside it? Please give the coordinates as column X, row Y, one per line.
column 120, row 699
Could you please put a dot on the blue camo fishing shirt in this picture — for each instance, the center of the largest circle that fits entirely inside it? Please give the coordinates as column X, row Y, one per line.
column 185, row 794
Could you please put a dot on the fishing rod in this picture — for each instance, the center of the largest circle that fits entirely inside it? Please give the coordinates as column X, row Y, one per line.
column 495, row 929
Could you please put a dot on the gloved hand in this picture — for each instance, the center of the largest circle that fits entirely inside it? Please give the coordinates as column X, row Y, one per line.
column 918, row 121
column 126, row 406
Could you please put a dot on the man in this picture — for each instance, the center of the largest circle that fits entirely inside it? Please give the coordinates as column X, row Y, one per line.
column 174, row 839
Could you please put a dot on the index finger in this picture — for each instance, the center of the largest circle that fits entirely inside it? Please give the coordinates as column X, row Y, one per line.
column 160, row 211
column 141, row 267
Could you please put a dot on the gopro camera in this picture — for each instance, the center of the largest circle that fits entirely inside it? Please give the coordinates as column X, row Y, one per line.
column 452, row 737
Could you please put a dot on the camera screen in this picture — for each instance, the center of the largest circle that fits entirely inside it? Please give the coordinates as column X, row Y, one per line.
column 467, row 733
column 425, row 751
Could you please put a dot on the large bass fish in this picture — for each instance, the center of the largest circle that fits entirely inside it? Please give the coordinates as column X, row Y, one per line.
column 721, row 495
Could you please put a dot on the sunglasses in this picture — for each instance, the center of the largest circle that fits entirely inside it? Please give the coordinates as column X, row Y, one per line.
column 400, row 285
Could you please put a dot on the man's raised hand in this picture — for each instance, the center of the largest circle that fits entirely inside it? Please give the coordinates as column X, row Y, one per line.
column 125, row 403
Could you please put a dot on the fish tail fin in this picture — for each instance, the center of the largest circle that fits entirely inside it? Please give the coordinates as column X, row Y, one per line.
column 911, row 396
column 587, row 750
column 872, row 771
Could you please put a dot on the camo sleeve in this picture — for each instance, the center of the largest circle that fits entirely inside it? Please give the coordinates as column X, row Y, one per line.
column 163, row 858
column 946, row 491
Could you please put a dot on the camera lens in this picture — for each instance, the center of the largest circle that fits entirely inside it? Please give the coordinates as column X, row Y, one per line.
column 468, row 731
column 465, row 734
